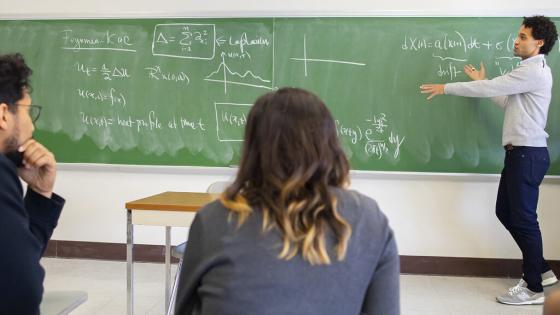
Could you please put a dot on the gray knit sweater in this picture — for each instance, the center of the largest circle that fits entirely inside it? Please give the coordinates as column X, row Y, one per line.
column 236, row 271
column 523, row 93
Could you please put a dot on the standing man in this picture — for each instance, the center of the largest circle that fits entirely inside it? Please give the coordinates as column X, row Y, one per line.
column 524, row 94
column 26, row 223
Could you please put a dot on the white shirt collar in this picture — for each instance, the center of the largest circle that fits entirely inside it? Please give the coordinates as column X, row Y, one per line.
column 534, row 59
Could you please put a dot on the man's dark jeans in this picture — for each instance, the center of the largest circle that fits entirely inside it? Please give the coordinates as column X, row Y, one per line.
column 516, row 207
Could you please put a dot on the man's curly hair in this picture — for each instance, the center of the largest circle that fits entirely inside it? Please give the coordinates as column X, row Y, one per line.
column 14, row 79
column 542, row 28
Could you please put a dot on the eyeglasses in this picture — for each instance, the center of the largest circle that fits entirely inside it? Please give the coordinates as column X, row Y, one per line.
column 34, row 111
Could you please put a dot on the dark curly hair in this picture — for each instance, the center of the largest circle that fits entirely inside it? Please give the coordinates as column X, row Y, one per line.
column 542, row 28
column 14, row 79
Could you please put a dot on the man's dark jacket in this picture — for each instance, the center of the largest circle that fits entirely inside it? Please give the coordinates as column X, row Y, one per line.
column 26, row 225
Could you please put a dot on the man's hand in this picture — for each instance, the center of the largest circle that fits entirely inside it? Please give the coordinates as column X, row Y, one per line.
column 432, row 89
column 474, row 74
column 39, row 171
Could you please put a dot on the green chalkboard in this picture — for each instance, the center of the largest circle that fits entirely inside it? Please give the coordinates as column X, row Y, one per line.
column 177, row 91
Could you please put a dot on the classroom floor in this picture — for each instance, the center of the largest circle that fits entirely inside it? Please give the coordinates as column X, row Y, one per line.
column 105, row 282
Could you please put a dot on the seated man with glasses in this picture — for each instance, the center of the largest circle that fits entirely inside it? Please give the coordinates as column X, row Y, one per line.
column 26, row 222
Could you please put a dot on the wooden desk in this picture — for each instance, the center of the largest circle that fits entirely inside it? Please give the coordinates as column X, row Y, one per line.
column 166, row 209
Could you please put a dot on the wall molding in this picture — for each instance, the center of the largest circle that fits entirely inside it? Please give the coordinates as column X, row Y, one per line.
column 423, row 265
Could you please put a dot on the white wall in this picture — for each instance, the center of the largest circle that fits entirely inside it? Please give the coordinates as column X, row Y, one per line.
column 91, row 8
column 438, row 215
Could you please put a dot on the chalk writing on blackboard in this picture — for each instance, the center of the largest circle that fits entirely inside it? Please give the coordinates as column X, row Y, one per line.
column 184, row 40
column 230, row 120
column 307, row 60
column 107, row 40
column 247, row 79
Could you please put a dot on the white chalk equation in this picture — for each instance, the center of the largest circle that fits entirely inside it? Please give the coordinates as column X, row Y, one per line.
column 149, row 122
column 107, row 40
column 157, row 74
column 456, row 41
column 106, row 72
column 451, row 70
column 184, row 40
column 231, row 119
column 452, row 50
column 374, row 137
column 241, row 44
column 306, row 60
column 225, row 75
column 110, row 96
column 506, row 64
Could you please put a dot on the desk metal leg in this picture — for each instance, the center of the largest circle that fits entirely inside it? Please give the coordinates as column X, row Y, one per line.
column 129, row 266
column 167, row 266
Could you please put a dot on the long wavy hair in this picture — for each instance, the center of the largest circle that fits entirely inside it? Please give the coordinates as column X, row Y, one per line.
column 290, row 158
